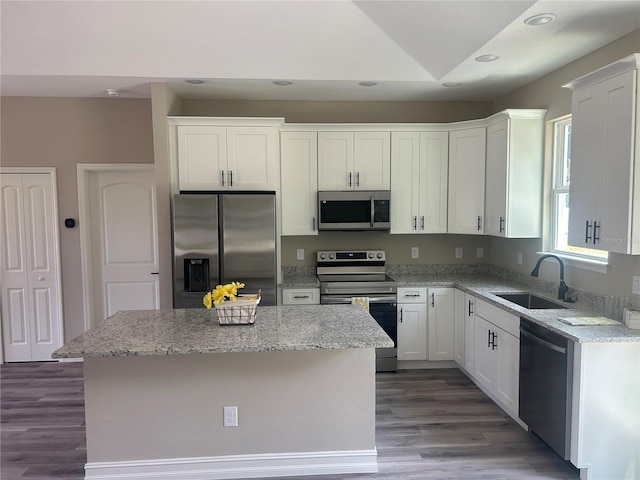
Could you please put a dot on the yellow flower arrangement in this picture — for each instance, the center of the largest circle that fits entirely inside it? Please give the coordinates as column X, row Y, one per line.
column 222, row 293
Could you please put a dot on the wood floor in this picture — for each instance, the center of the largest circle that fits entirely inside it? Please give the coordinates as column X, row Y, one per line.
column 430, row 424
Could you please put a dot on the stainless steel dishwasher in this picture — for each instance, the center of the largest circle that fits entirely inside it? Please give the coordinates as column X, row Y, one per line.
column 546, row 377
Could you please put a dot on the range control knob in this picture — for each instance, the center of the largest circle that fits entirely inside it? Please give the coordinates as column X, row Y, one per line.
column 323, row 256
column 370, row 255
column 379, row 255
column 332, row 256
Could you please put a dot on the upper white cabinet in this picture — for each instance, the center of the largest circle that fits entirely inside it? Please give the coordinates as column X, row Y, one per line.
column 466, row 180
column 354, row 160
column 419, row 173
column 604, row 203
column 213, row 155
column 514, row 164
column 299, row 182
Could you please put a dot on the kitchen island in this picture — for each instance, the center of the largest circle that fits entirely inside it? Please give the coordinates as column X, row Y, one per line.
column 302, row 378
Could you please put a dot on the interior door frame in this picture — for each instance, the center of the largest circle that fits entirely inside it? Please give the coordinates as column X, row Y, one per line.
column 84, row 172
column 53, row 179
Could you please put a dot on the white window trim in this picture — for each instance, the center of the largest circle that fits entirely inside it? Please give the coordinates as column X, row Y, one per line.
column 584, row 262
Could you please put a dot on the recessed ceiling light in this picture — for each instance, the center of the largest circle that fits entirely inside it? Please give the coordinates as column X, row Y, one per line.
column 367, row 84
column 112, row 92
column 540, row 19
column 451, row 84
column 194, row 81
column 487, row 58
column 282, row 83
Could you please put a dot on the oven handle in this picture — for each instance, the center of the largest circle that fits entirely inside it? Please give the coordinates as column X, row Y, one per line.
column 346, row 300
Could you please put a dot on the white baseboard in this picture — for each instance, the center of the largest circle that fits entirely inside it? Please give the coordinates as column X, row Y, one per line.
column 237, row 466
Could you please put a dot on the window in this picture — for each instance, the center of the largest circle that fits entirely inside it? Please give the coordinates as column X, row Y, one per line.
column 560, row 205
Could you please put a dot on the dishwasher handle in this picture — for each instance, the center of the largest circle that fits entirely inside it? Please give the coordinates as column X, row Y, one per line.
column 542, row 342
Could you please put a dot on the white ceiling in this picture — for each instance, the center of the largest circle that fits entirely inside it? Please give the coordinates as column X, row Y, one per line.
column 81, row 48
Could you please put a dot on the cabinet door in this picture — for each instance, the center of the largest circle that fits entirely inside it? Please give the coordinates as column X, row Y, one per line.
column 507, row 370
column 412, row 331
column 485, row 357
column 372, row 160
column 469, row 333
column 587, row 149
column 299, row 187
column 440, row 313
column 614, row 200
column 202, row 157
column 335, row 161
column 405, row 181
column 459, row 310
column 252, row 155
column 496, row 184
column 466, row 181
column 434, row 175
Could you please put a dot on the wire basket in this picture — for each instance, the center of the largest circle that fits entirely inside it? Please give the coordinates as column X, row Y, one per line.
column 239, row 312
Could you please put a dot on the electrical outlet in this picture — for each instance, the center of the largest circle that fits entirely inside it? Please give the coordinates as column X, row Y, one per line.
column 300, row 254
column 458, row 252
column 415, row 252
column 479, row 252
column 519, row 258
column 230, row 416
column 636, row 285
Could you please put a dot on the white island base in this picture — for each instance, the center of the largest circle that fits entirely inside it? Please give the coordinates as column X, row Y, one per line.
column 299, row 413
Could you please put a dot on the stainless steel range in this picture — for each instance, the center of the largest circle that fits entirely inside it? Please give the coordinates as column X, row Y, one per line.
column 347, row 274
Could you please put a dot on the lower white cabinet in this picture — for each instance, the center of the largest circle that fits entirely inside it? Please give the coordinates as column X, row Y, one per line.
column 412, row 324
column 440, row 315
column 300, row 296
column 497, row 354
column 459, row 314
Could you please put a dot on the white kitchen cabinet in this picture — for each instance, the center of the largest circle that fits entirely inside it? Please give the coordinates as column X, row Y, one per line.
column 604, row 202
column 213, row 156
column 514, row 162
column 497, row 354
column 440, row 317
column 301, row 296
column 299, row 182
column 466, row 180
column 419, row 177
column 459, row 315
column 412, row 324
column 354, row 160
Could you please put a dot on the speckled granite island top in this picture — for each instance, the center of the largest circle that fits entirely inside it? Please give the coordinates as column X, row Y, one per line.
column 192, row 331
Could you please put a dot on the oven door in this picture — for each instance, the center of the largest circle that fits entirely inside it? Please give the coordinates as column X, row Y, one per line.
column 383, row 309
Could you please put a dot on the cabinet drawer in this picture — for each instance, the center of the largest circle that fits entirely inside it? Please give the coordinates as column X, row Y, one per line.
column 412, row 295
column 507, row 321
column 300, row 296
column 485, row 310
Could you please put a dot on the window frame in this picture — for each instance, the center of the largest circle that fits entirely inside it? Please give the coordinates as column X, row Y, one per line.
column 559, row 149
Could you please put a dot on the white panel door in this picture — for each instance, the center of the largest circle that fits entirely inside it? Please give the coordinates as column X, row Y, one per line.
column 31, row 309
column 124, row 241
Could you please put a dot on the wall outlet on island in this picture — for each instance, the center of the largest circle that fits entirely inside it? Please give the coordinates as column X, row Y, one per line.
column 458, row 252
column 230, row 416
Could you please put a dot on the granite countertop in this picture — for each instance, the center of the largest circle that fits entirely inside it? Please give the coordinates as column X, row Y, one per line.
column 192, row 331
column 484, row 287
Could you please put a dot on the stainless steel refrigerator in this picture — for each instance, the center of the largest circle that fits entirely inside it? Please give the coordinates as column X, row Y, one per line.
column 220, row 238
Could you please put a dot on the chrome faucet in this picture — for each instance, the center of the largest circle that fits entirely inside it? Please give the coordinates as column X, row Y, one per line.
column 563, row 289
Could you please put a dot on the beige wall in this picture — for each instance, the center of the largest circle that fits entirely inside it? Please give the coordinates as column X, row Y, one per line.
column 60, row 133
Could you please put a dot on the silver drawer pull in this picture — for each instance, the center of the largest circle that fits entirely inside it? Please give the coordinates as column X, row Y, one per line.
column 301, row 296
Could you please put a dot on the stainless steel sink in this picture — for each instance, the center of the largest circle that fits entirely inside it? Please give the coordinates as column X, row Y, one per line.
column 530, row 301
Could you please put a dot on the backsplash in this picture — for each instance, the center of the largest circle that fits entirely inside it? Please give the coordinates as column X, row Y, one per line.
column 550, row 289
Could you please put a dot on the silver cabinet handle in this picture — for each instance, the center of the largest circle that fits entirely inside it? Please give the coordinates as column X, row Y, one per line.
column 415, row 223
column 433, row 299
column 587, row 237
column 400, row 315
column 350, row 178
column 231, row 178
column 479, row 222
column 222, row 177
column 357, row 179
column 422, row 222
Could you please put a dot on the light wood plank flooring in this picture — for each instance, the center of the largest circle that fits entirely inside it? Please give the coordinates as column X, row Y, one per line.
column 430, row 424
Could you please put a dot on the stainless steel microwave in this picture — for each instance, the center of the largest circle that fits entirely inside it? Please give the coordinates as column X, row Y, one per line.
column 354, row 210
